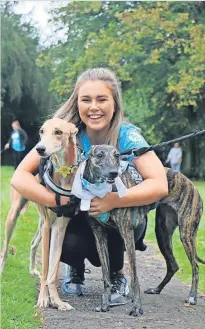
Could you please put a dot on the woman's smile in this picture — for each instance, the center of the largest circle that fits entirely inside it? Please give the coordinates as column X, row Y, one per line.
column 95, row 116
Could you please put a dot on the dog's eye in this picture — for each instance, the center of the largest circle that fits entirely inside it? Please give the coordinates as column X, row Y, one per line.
column 40, row 131
column 58, row 132
column 99, row 155
column 117, row 155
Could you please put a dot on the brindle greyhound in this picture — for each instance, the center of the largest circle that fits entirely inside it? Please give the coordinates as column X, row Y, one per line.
column 58, row 139
column 182, row 207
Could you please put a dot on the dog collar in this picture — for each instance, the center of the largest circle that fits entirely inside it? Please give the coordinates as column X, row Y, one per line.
column 66, row 170
column 51, row 184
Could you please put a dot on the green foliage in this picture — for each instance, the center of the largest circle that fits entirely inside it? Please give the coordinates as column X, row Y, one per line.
column 25, row 86
column 18, row 288
column 156, row 48
column 161, row 42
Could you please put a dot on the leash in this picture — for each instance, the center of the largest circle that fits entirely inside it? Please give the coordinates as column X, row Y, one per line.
column 155, row 147
column 136, row 152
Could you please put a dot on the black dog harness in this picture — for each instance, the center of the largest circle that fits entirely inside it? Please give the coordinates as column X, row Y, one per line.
column 68, row 210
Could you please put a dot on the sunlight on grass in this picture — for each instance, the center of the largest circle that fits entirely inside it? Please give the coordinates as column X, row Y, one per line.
column 19, row 293
column 185, row 273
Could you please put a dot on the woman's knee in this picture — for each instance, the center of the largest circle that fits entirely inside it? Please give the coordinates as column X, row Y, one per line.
column 74, row 249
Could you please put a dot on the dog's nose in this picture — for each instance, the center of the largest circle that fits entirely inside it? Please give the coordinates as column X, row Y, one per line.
column 113, row 173
column 40, row 149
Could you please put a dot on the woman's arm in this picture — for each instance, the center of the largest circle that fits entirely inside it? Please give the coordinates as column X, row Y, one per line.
column 153, row 188
column 28, row 186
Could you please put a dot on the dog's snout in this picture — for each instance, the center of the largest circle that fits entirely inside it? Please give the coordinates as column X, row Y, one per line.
column 40, row 149
column 113, row 173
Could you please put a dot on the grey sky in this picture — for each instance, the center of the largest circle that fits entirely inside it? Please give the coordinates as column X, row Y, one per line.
column 37, row 12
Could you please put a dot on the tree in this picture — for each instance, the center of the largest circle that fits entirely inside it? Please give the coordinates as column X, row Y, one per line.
column 25, row 95
column 156, row 48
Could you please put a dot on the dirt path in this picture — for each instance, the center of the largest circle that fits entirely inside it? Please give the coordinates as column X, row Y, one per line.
column 160, row 311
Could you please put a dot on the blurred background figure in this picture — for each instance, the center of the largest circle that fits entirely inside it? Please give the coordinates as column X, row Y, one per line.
column 17, row 142
column 175, row 157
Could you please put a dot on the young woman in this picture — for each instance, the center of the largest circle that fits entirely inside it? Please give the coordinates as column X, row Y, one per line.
column 17, row 142
column 95, row 106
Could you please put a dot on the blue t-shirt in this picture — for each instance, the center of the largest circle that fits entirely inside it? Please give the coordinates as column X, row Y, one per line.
column 16, row 141
column 129, row 138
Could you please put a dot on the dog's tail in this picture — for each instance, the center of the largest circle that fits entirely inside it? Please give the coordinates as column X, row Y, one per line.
column 200, row 260
column 24, row 208
column 16, row 200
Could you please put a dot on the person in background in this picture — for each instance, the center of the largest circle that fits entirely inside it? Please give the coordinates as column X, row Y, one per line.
column 175, row 157
column 17, row 142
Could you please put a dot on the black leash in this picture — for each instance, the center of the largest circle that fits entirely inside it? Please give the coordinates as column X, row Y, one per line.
column 138, row 152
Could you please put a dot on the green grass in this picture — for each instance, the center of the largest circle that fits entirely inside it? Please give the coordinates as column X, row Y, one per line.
column 19, row 293
column 184, row 272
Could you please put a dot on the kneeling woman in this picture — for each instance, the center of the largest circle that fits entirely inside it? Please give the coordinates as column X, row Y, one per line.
column 95, row 107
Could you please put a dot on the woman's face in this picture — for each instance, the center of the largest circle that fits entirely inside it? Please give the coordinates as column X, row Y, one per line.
column 95, row 105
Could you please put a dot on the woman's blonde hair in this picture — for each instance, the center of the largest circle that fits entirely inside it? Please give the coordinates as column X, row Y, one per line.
column 69, row 110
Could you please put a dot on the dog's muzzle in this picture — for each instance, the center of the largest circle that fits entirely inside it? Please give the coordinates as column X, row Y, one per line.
column 40, row 149
column 111, row 176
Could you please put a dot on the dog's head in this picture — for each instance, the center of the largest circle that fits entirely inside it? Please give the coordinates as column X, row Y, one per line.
column 55, row 136
column 104, row 162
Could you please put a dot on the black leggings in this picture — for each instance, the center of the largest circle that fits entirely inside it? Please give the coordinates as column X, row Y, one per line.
column 79, row 244
column 17, row 157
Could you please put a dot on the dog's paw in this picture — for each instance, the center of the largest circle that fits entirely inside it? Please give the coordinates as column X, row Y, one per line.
column 43, row 299
column 63, row 306
column 43, row 302
column 135, row 311
column 104, row 308
column 190, row 301
column 35, row 272
column 152, row 291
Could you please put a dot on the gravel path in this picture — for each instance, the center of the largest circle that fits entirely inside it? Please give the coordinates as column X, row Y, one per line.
column 160, row 311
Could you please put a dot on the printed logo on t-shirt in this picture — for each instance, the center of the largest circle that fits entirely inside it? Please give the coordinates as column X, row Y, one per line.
column 134, row 136
column 15, row 136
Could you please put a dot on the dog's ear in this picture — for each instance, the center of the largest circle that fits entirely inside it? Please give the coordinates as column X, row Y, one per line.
column 73, row 130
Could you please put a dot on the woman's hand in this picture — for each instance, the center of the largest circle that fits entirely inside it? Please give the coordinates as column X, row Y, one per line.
column 101, row 205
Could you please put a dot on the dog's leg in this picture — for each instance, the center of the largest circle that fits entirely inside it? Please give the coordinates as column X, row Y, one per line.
column 57, row 237
column 18, row 203
column 188, row 241
column 128, row 237
column 34, row 246
column 166, row 223
column 189, row 220
column 43, row 299
column 102, row 248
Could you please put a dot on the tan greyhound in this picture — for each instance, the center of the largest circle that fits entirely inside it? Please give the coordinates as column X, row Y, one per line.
column 58, row 140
